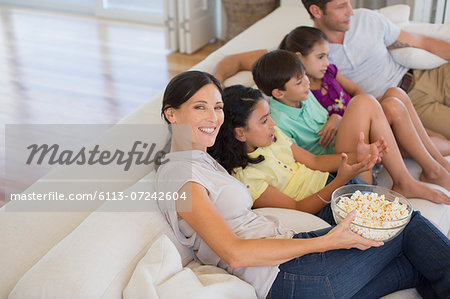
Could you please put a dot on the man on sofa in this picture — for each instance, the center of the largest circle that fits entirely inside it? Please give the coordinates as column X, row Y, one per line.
column 359, row 46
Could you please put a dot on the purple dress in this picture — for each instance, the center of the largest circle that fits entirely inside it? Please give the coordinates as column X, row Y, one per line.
column 331, row 95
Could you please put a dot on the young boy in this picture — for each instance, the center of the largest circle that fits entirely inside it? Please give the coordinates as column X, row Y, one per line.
column 281, row 75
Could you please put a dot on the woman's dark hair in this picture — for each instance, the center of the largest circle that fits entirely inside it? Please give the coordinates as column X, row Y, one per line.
column 302, row 39
column 239, row 103
column 183, row 86
column 274, row 69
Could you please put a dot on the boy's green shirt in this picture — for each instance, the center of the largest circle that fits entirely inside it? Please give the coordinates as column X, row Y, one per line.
column 302, row 124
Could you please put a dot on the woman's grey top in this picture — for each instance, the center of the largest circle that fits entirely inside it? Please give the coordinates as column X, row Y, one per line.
column 231, row 199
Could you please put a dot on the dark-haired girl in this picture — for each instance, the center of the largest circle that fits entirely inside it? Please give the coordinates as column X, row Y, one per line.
column 217, row 223
column 277, row 172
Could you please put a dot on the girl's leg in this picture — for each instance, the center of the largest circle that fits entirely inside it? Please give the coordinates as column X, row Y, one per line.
column 364, row 114
column 437, row 152
column 407, row 137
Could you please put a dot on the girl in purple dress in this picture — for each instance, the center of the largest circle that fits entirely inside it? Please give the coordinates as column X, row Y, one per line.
column 334, row 91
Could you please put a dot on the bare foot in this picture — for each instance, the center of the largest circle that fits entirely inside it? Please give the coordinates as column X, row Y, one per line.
column 442, row 178
column 416, row 189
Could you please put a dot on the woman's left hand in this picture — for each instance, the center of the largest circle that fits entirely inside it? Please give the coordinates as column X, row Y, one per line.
column 329, row 130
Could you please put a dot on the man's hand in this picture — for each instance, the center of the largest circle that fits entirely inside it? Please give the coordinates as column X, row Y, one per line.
column 329, row 130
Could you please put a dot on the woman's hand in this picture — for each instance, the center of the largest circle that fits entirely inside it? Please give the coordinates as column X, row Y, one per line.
column 378, row 148
column 341, row 237
column 329, row 130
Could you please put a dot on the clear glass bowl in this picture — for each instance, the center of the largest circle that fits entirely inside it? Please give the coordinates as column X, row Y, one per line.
column 371, row 229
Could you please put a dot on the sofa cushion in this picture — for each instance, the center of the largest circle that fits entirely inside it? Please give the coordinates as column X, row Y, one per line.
column 26, row 237
column 160, row 274
column 98, row 257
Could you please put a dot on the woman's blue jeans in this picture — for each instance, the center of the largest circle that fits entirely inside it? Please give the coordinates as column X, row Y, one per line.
column 419, row 257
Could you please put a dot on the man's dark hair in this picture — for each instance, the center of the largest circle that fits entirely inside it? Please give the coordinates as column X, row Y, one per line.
column 274, row 69
column 322, row 4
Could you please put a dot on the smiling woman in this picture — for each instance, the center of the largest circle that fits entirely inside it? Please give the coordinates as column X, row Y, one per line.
column 200, row 107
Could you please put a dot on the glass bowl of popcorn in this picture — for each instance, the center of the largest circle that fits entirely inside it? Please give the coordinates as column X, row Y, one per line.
column 381, row 214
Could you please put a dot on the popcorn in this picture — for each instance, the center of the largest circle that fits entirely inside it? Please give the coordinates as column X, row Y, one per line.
column 382, row 219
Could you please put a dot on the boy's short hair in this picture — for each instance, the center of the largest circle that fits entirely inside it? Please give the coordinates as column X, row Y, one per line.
column 274, row 69
column 322, row 4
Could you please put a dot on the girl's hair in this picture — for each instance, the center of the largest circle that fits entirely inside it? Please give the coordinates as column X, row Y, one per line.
column 183, row 86
column 239, row 103
column 302, row 39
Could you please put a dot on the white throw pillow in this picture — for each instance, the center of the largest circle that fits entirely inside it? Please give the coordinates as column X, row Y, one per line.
column 417, row 59
column 160, row 274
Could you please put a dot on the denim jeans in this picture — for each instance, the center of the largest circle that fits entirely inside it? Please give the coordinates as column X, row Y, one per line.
column 418, row 257
column 325, row 213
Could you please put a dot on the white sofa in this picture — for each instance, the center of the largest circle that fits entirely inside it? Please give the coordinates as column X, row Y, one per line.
column 93, row 254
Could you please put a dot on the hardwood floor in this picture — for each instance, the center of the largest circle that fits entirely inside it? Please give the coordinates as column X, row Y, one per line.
column 59, row 68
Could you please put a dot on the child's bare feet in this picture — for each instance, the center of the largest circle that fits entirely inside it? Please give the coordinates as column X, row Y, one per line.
column 441, row 178
column 415, row 189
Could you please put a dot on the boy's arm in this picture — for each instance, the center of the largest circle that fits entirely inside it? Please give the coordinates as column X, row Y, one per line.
column 348, row 85
column 433, row 45
column 231, row 64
